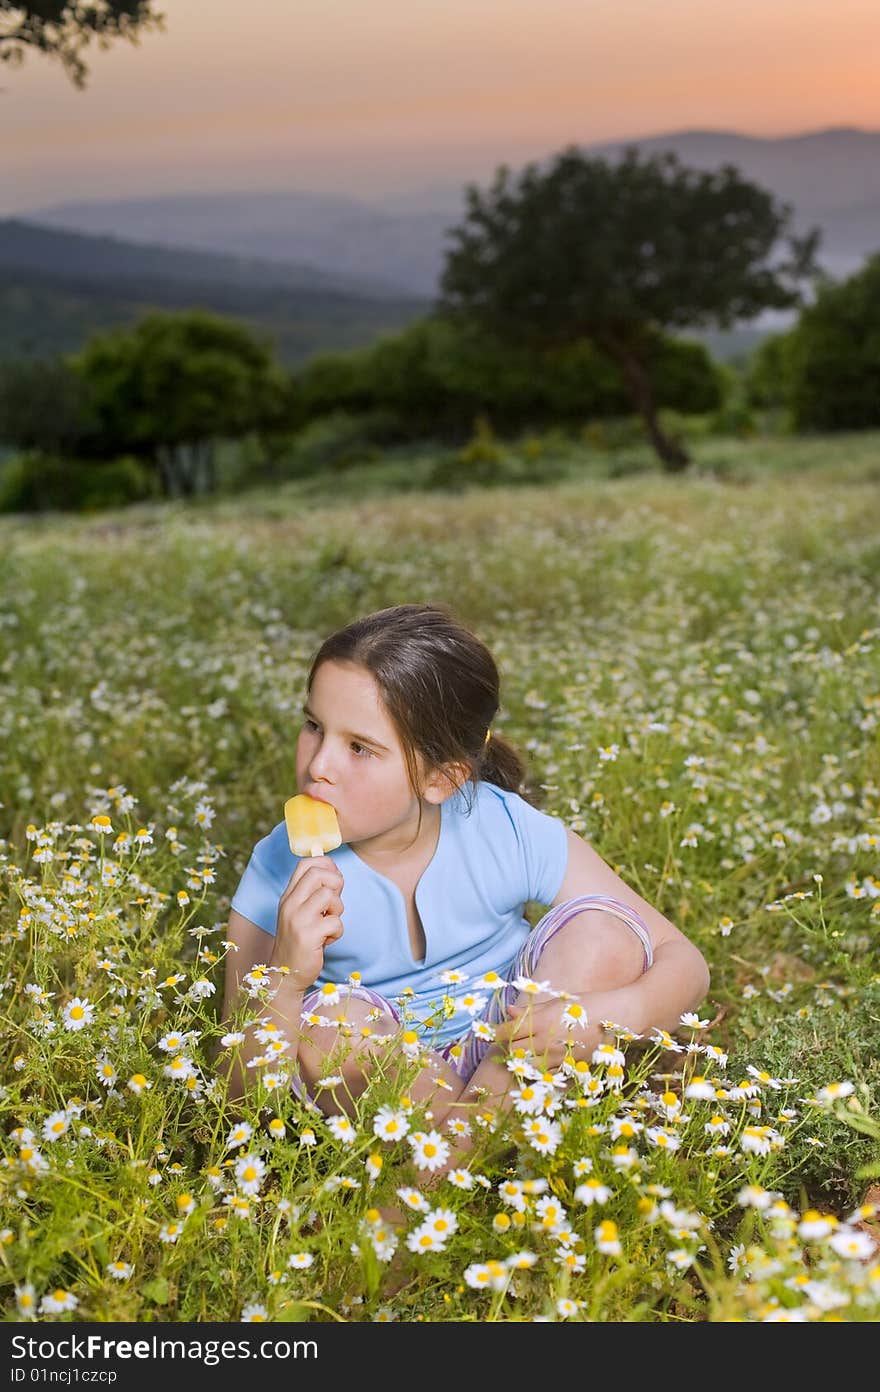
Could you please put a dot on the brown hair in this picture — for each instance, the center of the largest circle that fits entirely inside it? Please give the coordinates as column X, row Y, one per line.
column 440, row 686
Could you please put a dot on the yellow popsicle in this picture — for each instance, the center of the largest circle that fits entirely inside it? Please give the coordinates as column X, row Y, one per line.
column 312, row 826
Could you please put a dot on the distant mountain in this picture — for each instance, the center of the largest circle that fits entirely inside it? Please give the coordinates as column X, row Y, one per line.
column 57, row 287
column 344, row 237
column 31, row 245
column 830, row 177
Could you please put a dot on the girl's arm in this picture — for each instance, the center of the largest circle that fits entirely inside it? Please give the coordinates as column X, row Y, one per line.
column 253, row 947
column 677, row 981
column 606, row 958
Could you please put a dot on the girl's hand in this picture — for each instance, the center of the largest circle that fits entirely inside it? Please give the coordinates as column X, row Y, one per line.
column 552, row 1029
column 309, row 917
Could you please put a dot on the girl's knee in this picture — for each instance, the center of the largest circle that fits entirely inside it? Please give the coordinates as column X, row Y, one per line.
column 593, row 931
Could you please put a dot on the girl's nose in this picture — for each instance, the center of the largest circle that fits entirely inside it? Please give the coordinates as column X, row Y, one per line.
column 321, row 764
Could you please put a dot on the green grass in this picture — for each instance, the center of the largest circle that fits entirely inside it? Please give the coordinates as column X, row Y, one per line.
column 720, row 630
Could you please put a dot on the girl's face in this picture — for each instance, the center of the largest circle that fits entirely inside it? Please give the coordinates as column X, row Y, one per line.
column 349, row 754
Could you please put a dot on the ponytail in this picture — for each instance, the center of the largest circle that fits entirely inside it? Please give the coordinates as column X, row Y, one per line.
column 502, row 765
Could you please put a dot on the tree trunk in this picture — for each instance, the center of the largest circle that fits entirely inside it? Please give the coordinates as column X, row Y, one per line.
column 165, row 463
column 210, row 467
column 673, row 457
column 186, row 461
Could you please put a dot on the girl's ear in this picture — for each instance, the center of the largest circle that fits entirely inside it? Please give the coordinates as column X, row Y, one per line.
column 445, row 781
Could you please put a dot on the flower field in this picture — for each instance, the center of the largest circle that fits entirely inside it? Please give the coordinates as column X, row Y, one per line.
column 692, row 668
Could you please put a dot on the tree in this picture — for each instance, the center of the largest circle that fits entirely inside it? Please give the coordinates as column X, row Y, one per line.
column 832, row 377
column 617, row 252
column 768, row 371
column 436, row 376
column 42, row 406
column 62, row 29
column 171, row 387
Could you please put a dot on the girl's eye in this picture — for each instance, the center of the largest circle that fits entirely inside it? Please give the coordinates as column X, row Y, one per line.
column 358, row 749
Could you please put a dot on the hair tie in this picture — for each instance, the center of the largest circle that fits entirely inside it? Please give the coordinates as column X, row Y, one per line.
column 488, row 736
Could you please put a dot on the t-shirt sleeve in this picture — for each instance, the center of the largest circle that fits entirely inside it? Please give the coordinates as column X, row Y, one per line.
column 258, row 894
column 542, row 842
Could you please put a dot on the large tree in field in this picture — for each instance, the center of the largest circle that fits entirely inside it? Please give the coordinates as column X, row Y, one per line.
column 613, row 251
column 62, row 29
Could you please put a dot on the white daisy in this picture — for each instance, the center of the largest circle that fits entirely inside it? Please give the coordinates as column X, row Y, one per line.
column 606, row 1238
column 57, row 1301
column 593, row 1191
column 462, row 1179
column 249, row 1172
column 413, row 1199
column 26, row 1300
column 76, row 1015
column 390, row 1124
column 430, row 1151
column 55, row 1125
column 423, row 1239
column 341, row 1127
column 254, row 1313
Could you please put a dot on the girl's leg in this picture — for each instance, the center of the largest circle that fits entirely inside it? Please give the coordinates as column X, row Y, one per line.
column 353, row 1045
column 578, row 946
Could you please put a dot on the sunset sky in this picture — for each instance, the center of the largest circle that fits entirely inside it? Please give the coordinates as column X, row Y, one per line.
column 372, row 97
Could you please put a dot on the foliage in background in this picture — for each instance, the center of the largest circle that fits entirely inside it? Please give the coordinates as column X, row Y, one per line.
column 824, row 373
column 64, row 29
column 436, row 377
column 834, row 356
column 616, row 251
column 170, row 391
column 174, row 386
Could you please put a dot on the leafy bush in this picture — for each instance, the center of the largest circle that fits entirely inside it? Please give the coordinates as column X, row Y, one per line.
column 436, row 377
column 488, row 462
column 338, row 441
column 835, row 363
column 37, row 482
column 825, row 372
column 768, row 372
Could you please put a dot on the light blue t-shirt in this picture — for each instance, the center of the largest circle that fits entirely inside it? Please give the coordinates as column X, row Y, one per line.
column 471, row 897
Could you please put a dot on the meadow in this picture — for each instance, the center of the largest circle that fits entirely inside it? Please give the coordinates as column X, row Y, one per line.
column 692, row 668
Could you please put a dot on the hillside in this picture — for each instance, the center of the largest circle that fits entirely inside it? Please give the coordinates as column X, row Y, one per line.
column 57, row 287
column 831, row 178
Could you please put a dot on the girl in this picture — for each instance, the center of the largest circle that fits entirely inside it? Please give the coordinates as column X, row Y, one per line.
column 422, row 906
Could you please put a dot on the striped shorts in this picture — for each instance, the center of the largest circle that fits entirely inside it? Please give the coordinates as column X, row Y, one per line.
column 466, row 1052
